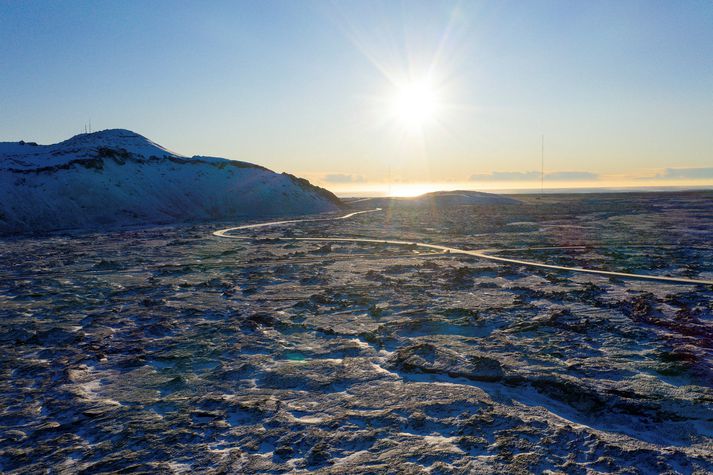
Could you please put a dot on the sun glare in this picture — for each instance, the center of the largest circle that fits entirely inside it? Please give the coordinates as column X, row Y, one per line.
column 415, row 104
column 407, row 190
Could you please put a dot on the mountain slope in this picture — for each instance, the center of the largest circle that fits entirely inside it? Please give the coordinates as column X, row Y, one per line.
column 117, row 177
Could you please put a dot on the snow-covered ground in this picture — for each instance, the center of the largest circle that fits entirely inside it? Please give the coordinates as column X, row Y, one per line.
column 118, row 177
column 167, row 349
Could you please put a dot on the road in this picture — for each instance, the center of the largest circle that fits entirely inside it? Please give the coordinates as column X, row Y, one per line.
column 480, row 253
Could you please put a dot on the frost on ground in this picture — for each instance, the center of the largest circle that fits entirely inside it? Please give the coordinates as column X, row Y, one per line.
column 170, row 350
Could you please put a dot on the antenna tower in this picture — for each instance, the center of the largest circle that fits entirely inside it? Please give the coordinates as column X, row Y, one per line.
column 542, row 165
column 389, row 181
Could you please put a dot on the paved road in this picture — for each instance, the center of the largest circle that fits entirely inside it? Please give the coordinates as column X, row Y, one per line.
column 481, row 253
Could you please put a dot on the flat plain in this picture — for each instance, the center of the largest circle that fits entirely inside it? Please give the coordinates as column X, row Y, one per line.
column 167, row 349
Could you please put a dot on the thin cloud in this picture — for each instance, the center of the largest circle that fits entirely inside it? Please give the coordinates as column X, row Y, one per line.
column 533, row 176
column 506, row 176
column 571, row 176
column 343, row 178
column 686, row 173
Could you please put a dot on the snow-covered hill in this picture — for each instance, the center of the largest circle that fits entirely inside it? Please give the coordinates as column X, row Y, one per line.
column 117, row 177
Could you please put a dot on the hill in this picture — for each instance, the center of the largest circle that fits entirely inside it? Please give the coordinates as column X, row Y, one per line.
column 118, row 177
column 441, row 199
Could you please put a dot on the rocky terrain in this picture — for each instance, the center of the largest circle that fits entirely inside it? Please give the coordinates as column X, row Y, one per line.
column 117, row 177
column 169, row 350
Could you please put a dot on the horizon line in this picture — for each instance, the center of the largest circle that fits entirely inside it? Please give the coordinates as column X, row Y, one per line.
column 420, row 189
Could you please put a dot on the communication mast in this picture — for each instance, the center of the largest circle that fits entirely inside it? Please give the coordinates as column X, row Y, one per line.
column 389, row 180
column 542, row 167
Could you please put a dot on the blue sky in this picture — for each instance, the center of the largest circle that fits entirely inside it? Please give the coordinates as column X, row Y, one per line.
column 622, row 91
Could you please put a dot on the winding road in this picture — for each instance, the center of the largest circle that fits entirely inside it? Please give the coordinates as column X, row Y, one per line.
column 481, row 253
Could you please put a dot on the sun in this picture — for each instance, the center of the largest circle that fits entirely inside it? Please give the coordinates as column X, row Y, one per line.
column 415, row 104
column 408, row 190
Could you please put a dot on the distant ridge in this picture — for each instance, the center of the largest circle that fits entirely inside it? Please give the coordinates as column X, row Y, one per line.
column 444, row 199
column 118, row 177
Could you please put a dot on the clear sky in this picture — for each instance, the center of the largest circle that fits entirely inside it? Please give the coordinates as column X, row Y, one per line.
column 357, row 95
